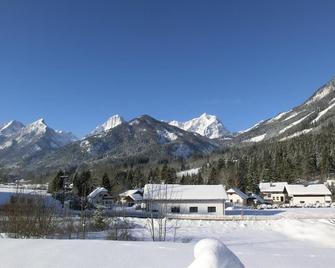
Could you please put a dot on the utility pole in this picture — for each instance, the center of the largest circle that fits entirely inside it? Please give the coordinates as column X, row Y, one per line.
column 65, row 180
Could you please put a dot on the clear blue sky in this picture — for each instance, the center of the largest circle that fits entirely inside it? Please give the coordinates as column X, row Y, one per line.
column 75, row 63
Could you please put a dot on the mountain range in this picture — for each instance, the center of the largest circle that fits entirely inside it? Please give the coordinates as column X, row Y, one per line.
column 36, row 146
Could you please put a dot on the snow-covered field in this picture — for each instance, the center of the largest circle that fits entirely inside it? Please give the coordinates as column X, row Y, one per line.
column 93, row 254
column 285, row 242
column 292, row 237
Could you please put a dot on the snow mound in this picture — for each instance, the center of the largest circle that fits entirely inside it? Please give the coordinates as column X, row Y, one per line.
column 211, row 253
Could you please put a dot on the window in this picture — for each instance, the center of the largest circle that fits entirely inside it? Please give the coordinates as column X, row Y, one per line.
column 193, row 209
column 211, row 209
column 269, row 195
column 175, row 209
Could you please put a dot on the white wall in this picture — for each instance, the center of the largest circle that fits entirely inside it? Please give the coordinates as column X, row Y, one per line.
column 184, row 207
column 236, row 199
column 274, row 197
column 296, row 200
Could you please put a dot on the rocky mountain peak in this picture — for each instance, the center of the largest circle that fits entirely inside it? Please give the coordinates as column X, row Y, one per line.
column 112, row 122
column 206, row 125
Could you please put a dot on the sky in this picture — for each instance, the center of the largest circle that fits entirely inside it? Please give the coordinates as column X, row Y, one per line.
column 75, row 63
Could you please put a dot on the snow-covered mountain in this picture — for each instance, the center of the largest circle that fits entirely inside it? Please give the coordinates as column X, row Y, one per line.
column 205, row 125
column 112, row 122
column 142, row 138
column 18, row 142
column 11, row 128
column 318, row 110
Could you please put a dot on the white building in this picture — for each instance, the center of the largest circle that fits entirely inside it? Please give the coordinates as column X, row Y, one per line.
column 131, row 197
column 330, row 183
column 237, row 197
column 100, row 197
column 185, row 199
column 273, row 192
column 308, row 194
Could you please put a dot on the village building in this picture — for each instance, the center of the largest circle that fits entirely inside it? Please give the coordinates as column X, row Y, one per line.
column 237, row 197
column 273, row 192
column 185, row 199
column 256, row 199
column 307, row 194
column 330, row 183
column 131, row 197
column 100, row 197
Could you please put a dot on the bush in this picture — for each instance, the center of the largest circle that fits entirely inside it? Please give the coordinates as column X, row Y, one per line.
column 28, row 216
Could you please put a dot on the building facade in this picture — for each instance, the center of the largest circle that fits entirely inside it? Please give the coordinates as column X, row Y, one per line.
column 100, row 197
column 237, row 197
column 307, row 194
column 185, row 199
column 273, row 192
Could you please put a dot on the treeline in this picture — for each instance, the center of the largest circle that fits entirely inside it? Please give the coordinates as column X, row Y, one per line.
column 304, row 158
column 117, row 179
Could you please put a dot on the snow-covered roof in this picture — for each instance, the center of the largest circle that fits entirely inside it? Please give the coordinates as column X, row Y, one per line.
column 184, row 192
column 258, row 198
column 136, row 194
column 313, row 189
column 97, row 191
column 272, row 186
column 238, row 192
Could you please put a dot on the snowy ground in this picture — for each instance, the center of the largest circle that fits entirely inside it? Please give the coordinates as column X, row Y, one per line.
column 93, row 253
column 286, row 242
column 293, row 237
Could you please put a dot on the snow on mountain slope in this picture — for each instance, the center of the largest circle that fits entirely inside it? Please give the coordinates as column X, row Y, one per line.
column 112, row 122
column 294, row 123
column 11, row 128
column 297, row 134
column 256, row 139
column 251, row 128
column 318, row 110
column 322, row 93
column 205, row 125
column 322, row 113
column 18, row 141
column 166, row 136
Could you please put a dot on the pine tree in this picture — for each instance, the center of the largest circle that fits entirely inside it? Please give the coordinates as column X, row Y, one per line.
column 213, row 177
column 57, row 182
column 106, row 182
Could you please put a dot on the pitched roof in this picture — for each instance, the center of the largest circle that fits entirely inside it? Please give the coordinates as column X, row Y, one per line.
column 313, row 189
column 136, row 194
column 272, row 186
column 258, row 198
column 97, row 191
column 184, row 192
column 238, row 192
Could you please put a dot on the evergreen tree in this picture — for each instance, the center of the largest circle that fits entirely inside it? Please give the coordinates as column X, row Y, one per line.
column 57, row 183
column 213, row 177
column 106, row 182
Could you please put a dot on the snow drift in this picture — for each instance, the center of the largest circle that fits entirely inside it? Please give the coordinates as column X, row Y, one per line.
column 211, row 253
